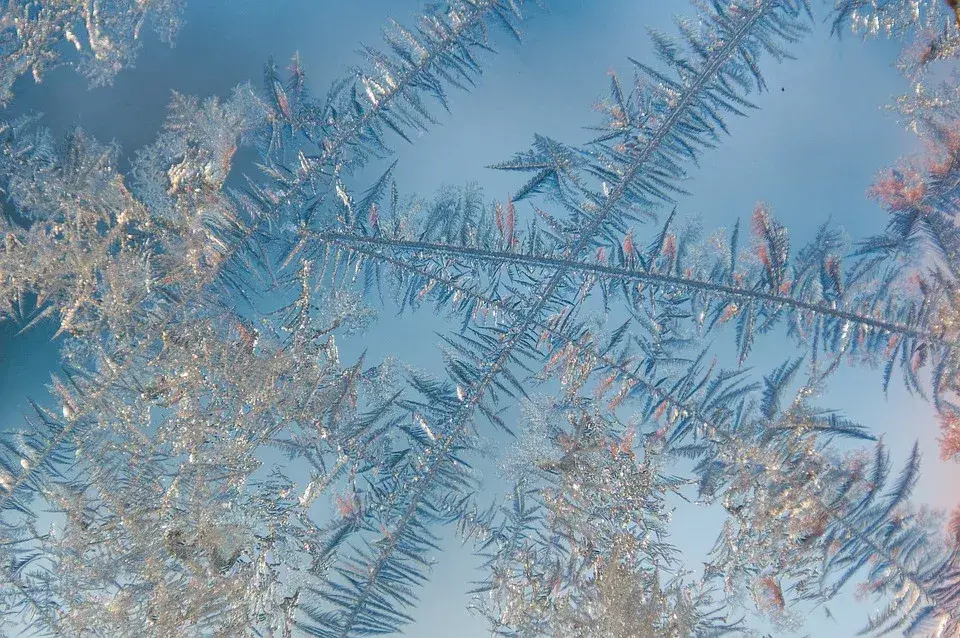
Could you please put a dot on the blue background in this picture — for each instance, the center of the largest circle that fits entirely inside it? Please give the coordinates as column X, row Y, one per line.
column 811, row 152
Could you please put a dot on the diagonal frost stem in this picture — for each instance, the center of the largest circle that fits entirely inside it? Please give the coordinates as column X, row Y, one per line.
column 567, row 265
column 713, row 430
column 460, row 419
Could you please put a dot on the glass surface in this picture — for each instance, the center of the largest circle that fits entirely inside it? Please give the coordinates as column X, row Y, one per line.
column 510, row 317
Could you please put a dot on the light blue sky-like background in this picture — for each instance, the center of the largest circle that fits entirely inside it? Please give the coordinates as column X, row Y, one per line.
column 811, row 152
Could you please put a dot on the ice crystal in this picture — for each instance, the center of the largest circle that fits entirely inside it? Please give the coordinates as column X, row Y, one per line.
column 218, row 463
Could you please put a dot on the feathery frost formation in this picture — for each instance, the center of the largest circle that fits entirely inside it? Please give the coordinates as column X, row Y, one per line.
column 106, row 33
column 214, row 465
